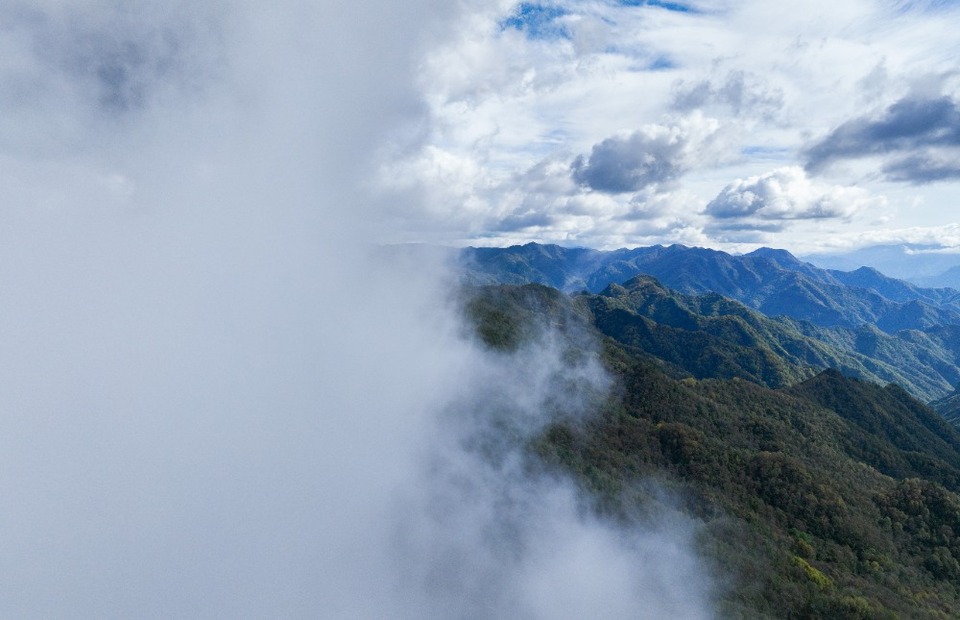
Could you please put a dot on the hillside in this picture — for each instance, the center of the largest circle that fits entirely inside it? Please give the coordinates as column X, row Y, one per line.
column 712, row 336
column 828, row 498
column 948, row 407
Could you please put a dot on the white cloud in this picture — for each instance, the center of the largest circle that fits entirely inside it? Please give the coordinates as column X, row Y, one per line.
column 787, row 194
column 652, row 155
column 944, row 238
column 627, row 75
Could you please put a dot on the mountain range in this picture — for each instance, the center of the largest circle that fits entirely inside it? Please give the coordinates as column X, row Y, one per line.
column 923, row 265
column 769, row 280
column 783, row 310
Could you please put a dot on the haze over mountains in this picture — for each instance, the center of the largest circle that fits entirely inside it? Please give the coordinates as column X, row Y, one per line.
column 923, row 265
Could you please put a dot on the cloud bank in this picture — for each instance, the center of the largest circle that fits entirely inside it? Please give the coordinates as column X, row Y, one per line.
column 648, row 156
column 217, row 403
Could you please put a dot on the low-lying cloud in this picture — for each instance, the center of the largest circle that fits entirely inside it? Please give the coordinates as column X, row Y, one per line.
column 217, row 404
column 494, row 535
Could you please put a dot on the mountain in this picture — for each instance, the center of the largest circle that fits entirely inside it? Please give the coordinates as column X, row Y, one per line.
column 894, row 289
column 712, row 336
column 924, row 265
column 867, row 324
column 949, row 407
column 771, row 281
column 949, row 277
column 825, row 497
column 533, row 263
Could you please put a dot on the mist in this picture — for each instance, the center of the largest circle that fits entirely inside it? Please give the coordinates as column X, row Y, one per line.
column 216, row 402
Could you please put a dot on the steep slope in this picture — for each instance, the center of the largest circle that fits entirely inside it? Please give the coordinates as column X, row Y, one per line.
column 925, row 365
column 833, row 498
column 712, row 336
column 949, row 407
column 925, row 444
column 708, row 336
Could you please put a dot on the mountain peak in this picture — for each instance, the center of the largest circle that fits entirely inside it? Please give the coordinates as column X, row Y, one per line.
column 778, row 255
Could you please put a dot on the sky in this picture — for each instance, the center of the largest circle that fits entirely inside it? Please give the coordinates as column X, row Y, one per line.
column 813, row 126
column 216, row 401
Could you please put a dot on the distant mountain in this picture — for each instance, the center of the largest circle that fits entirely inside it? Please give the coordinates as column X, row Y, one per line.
column 924, row 265
column 771, row 281
column 561, row 268
column 950, row 277
column 894, row 289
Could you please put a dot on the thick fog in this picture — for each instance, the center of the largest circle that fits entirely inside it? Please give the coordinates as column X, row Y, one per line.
column 214, row 402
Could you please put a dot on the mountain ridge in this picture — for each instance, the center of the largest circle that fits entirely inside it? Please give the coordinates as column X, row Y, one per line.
column 770, row 280
column 883, row 328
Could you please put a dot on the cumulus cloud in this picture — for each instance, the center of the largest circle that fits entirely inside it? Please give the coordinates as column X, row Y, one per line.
column 519, row 83
column 904, row 136
column 652, row 155
column 545, row 204
column 786, row 194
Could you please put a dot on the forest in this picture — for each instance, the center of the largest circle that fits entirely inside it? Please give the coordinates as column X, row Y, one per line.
column 819, row 494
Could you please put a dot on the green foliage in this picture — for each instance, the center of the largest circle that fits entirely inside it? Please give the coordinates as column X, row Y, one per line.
column 819, row 579
column 828, row 498
column 926, row 517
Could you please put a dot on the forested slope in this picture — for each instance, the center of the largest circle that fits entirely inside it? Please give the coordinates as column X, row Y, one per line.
column 820, row 495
